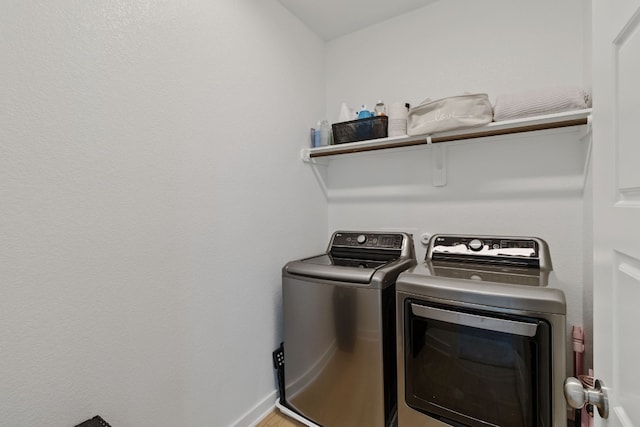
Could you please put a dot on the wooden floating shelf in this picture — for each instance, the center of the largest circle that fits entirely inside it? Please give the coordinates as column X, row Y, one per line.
column 529, row 124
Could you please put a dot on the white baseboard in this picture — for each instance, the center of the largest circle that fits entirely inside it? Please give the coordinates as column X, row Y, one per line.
column 295, row 416
column 260, row 410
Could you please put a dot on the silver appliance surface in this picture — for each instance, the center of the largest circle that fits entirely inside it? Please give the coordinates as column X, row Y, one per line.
column 496, row 283
column 339, row 329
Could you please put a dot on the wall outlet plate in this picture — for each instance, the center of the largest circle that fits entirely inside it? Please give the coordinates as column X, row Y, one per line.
column 424, row 238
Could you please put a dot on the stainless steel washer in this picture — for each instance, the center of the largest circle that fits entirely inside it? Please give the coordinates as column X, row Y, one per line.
column 481, row 335
column 339, row 329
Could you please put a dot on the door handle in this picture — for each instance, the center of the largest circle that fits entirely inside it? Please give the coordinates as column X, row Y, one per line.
column 577, row 395
column 513, row 327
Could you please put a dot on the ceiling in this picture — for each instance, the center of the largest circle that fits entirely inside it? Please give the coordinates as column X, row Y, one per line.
column 334, row 18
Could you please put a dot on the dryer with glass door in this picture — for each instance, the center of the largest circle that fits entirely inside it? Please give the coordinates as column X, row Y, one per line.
column 481, row 335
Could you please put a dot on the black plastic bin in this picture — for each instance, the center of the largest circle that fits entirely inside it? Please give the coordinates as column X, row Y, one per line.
column 360, row 130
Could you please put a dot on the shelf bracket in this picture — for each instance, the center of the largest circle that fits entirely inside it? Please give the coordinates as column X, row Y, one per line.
column 439, row 165
column 305, row 155
column 587, row 129
column 321, row 175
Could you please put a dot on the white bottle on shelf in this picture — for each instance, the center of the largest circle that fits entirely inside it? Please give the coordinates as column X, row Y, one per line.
column 380, row 109
column 346, row 113
column 325, row 132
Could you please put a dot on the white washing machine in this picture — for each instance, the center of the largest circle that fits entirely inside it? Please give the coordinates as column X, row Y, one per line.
column 481, row 335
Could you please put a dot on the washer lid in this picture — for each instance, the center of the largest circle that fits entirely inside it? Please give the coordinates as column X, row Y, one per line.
column 359, row 257
column 330, row 268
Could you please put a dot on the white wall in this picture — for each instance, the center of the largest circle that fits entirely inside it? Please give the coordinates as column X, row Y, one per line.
column 151, row 192
column 505, row 186
column 456, row 46
column 530, row 185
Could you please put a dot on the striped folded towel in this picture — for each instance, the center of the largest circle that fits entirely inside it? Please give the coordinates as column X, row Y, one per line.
column 539, row 102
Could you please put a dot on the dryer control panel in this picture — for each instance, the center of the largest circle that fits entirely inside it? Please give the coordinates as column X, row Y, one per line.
column 502, row 250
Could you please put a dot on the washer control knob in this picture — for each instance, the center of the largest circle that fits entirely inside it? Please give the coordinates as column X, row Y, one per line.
column 475, row 245
column 361, row 238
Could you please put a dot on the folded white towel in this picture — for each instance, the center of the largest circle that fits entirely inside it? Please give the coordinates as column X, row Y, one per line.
column 539, row 102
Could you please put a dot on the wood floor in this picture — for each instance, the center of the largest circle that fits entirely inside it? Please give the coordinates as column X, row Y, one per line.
column 330, row 395
column 347, row 393
column 277, row 419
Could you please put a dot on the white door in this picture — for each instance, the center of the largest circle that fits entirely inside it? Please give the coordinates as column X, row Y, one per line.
column 616, row 201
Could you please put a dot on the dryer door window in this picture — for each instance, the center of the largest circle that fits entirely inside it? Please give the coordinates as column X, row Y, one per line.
column 475, row 368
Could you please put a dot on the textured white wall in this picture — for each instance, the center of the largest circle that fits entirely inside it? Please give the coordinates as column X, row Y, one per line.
column 529, row 185
column 456, row 46
column 151, row 192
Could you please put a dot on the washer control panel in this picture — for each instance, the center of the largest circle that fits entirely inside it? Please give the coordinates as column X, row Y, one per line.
column 368, row 240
